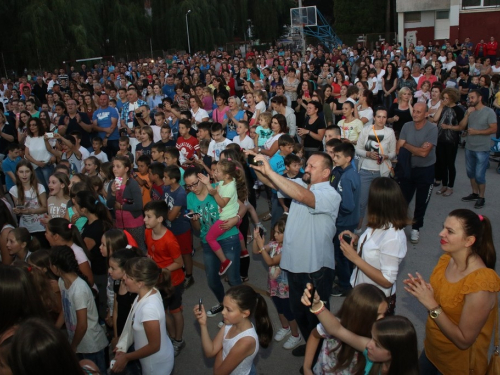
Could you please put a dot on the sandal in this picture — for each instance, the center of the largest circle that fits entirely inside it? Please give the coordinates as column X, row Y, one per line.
column 442, row 191
column 448, row 192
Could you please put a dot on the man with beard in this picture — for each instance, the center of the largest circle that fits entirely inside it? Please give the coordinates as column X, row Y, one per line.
column 308, row 255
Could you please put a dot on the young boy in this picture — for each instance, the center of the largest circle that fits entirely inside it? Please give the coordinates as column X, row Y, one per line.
column 242, row 139
column 164, row 250
column 159, row 121
column 175, row 196
column 171, row 156
column 85, row 153
column 142, row 177
column 98, row 153
column 293, row 164
column 124, row 145
column 349, row 188
column 187, row 145
column 336, row 171
column 9, row 164
column 166, row 133
column 156, row 171
column 220, row 142
column 157, row 153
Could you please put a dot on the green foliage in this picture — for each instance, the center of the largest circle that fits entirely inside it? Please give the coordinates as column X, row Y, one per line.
column 361, row 16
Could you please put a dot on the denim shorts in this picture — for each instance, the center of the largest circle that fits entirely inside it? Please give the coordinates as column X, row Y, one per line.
column 476, row 163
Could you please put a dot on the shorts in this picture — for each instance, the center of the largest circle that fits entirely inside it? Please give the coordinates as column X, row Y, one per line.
column 173, row 303
column 476, row 163
column 283, row 307
column 185, row 241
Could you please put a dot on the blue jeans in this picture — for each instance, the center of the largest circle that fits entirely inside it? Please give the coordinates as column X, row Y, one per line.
column 343, row 266
column 276, row 210
column 232, row 249
column 97, row 358
column 43, row 174
column 426, row 366
column 366, row 178
column 476, row 163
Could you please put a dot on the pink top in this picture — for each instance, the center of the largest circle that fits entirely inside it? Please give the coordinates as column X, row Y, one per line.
column 424, row 78
column 125, row 219
column 218, row 115
column 207, row 103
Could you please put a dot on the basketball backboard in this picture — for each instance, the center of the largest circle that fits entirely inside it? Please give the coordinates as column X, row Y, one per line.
column 304, row 16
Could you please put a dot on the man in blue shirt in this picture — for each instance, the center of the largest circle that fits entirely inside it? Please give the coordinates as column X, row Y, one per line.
column 105, row 121
column 169, row 87
column 9, row 164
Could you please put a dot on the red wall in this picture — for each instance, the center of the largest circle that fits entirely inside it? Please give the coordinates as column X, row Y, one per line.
column 477, row 26
column 425, row 34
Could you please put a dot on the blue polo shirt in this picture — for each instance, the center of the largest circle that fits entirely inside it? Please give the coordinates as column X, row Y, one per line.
column 9, row 165
column 103, row 117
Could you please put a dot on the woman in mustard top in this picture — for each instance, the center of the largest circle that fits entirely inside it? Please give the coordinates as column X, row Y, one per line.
column 461, row 297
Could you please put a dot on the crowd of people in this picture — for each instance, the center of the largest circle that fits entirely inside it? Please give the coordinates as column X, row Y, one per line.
column 110, row 172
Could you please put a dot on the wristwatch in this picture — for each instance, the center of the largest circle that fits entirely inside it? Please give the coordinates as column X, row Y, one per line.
column 434, row 313
column 259, row 150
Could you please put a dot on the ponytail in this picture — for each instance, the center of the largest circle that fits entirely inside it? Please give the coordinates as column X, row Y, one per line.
column 64, row 259
column 23, row 235
column 87, row 200
column 67, row 231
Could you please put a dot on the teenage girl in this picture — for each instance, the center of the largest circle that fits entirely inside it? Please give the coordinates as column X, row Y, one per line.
column 392, row 348
column 146, row 138
column 98, row 187
column 237, row 342
column 30, row 200
column 79, row 313
column 125, row 198
column 363, row 306
column 7, row 223
column 20, row 244
column 277, row 283
column 58, row 196
column 92, row 166
column 106, row 174
column 230, row 187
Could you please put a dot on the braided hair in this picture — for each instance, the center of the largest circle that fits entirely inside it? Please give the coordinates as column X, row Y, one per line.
column 64, row 259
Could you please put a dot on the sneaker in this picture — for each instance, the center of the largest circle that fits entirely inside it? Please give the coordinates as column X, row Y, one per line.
column 188, row 282
column 415, row 235
column 470, row 198
column 215, row 310
column 178, row 346
column 337, row 291
column 299, row 351
column 220, row 324
column 479, row 203
column 259, row 225
column 224, row 267
column 292, row 342
column 281, row 334
column 244, row 253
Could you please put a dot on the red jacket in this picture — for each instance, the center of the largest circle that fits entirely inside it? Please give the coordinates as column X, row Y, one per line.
column 478, row 46
column 491, row 48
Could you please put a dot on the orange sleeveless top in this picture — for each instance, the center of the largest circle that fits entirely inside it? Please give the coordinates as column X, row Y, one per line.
column 449, row 359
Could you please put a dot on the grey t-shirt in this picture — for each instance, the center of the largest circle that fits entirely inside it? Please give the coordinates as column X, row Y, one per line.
column 480, row 120
column 428, row 133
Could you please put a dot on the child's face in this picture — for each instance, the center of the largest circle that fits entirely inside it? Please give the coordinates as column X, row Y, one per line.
column 90, row 167
column 204, row 150
column 278, row 235
column 142, row 167
column 156, row 155
column 340, row 160
column 203, row 134
column 170, row 160
column 159, row 120
column 329, row 151
column 213, row 170
column 294, row 168
column 241, row 129
column 96, row 146
column 119, row 169
column 475, row 80
column 150, row 219
column 144, row 136
column 263, row 122
column 55, row 185
column 286, row 150
column 123, row 146
column 253, row 133
column 167, row 181
column 217, row 136
column 165, row 134
column 114, row 270
column 183, row 130
column 329, row 134
column 137, row 134
column 14, row 153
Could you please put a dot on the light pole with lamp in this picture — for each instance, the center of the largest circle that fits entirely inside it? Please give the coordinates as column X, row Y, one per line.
column 187, row 29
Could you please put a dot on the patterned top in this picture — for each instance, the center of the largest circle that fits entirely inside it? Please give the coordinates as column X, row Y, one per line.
column 277, row 280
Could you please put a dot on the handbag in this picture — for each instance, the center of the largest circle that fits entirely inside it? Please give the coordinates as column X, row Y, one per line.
column 389, row 165
column 494, row 363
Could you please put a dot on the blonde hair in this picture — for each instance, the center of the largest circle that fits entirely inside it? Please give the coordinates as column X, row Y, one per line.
column 401, row 92
column 266, row 116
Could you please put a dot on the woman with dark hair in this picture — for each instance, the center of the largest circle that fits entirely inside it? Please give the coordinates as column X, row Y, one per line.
column 279, row 106
column 22, row 125
column 313, row 129
column 36, row 152
column 461, row 297
column 389, row 85
column 407, row 80
column 305, row 92
column 220, row 87
column 364, row 110
column 427, row 76
column 350, row 126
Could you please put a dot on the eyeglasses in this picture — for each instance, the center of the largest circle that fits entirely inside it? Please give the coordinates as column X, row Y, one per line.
column 193, row 185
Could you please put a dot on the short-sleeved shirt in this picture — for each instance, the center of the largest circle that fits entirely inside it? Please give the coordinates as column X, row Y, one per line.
column 417, row 137
column 146, row 150
column 102, row 156
column 308, row 244
column 246, row 144
column 9, row 165
column 480, row 120
column 163, row 252
column 95, row 231
column 231, row 126
column 30, row 222
column 310, row 142
column 187, row 147
column 264, row 135
column 104, row 117
column 228, row 191
column 215, row 148
column 177, row 198
column 351, row 130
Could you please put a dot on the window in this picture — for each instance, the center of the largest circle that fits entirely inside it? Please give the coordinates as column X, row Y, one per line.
column 480, row 3
column 442, row 14
column 413, row 17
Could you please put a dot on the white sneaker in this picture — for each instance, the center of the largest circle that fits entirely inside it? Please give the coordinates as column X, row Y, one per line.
column 281, row 334
column 292, row 342
column 414, row 236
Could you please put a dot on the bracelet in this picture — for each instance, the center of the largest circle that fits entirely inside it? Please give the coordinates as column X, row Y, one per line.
column 261, row 250
column 238, row 216
column 319, row 310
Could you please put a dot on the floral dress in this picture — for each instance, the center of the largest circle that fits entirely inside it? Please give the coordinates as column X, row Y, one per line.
column 277, row 280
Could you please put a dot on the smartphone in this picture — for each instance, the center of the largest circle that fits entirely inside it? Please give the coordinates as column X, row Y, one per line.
column 50, row 135
column 306, row 94
column 199, row 305
column 347, row 238
column 380, row 159
column 261, row 232
column 251, row 160
column 160, row 105
column 312, row 291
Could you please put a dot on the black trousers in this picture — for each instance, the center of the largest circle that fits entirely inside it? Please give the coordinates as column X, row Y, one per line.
column 419, row 184
column 446, row 172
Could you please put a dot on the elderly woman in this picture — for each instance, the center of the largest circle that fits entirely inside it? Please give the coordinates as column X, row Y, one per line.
column 233, row 116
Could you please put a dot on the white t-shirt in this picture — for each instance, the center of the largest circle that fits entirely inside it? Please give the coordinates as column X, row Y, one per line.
column 133, row 144
column 270, row 141
column 161, row 362
column 383, row 250
column 215, row 148
column 380, row 80
column 85, row 154
column 78, row 297
column 247, row 142
column 80, row 255
column 30, row 222
column 366, row 113
column 38, row 151
column 156, row 133
column 199, row 115
column 102, row 156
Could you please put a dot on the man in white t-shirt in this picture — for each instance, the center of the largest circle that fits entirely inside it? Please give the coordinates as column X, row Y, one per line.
column 220, row 142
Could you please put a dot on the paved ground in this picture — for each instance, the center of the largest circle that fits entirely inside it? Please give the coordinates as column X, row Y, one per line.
column 421, row 257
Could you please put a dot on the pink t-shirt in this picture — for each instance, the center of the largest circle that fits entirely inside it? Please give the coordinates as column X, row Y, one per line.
column 207, row 103
column 218, row 115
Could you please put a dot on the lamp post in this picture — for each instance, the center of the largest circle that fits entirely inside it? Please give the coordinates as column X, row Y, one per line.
column 187, row 30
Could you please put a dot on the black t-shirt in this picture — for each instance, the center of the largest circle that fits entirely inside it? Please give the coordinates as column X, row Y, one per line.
column 74, row 126
column 169, row 143
column 95, row 231
column 124, row 302
column 10, row 130
column 465, row 85
column 145, row 150
column 310, row 142
column 404, row 117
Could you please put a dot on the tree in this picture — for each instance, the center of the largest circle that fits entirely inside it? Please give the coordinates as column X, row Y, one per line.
column 364, row 16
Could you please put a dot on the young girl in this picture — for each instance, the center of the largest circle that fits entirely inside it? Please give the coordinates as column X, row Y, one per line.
column 20, row 244
column 58, row 196
column 260, row 102
column 365, row 301
column 424, row 94
column 92, row 166
column 134, row 142
column 144, row 148
column 71, row 214
column 106, row 174
column 392, row 348
column 85, row 335
column 238, row 340
column 263, row 131
column 125, row 197
column 230, row 188
column 30, row 200
column 277, row 283
column 207, row 99
column 98, row 188
column 7, row 223
column 145, row 325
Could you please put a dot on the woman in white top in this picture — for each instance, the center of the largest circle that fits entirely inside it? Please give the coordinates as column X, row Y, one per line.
column 364, row 110
column 199, row 114
column 434, row 102
column 380, row 78
column 146, row 321
column 37, row 153
column 382, row 247
column 7, row 223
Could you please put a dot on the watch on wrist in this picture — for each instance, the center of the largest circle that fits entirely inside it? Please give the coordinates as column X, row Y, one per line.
column 434, row 313
column 259, row 150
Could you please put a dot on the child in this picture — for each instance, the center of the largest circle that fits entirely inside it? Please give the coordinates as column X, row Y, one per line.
column 58, row 196
column 164, row 249
column 335, row 356
column 166, row 136
column 92, row 166
column 372, row 82
column 226, row 195
column 336, row 172
column 206, row 161
column 9, row 164
column 474, row 83
column 68, row 152
column 86, row 336
column 146, row 138
column 156, row 171
column 124, row 145
column 159, row 119
column 220, row 142
column 78, row 146
column 260, row 101
column 264, row 131
column 187, row 145
column 157, row 153
column 71, row 214
column 240, row 303
column 97, row 147
column 172, row 156
column 207, row 100
column 20, row 244
column 142, row 178
column 98, row 186
column 106, row 174
column 277, row 283
column 175, row 196
column 242, row 139
column 332, row 131
column 424, row 94
column 134, row 141
column 292, row 170
column 393, row 337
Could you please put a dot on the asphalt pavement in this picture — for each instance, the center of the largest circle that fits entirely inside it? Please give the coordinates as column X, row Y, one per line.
column 421, row 257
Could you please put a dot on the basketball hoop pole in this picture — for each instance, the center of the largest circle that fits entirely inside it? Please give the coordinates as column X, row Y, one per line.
column 302, row 36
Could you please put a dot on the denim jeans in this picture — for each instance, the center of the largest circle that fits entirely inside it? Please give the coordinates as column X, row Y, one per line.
column 343, row 266
column 323, row 280
column 476, row 163
column 366, row 178
column 426, row 366
column 43, row 174
column 97, row 358
column 276, row 210
column 232, row 249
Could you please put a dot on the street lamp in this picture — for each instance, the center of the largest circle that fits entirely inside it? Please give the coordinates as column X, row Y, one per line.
column 187, row 30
